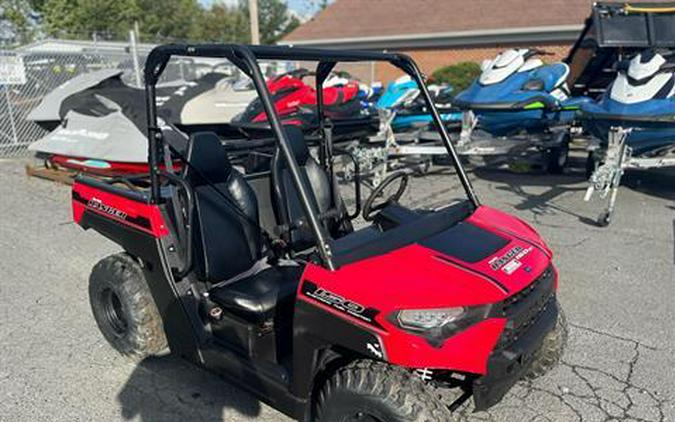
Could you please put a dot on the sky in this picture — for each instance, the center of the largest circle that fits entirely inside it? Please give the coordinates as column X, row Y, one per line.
column 302, row 7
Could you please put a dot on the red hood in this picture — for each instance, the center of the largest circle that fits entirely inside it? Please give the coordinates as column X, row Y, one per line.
column 505, row 256
column 418, row 276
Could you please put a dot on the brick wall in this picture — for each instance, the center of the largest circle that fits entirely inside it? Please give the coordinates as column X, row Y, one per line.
column 430, row 60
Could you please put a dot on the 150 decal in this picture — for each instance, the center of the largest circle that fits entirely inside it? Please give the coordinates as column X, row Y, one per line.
column 340, row 303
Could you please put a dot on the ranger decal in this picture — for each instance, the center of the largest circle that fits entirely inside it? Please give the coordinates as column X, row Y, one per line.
column 510, row 261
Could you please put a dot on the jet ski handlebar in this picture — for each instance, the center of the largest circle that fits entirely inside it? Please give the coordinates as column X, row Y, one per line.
column 537, row 52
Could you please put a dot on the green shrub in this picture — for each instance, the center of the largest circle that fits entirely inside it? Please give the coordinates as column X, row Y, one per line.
column 458, row 75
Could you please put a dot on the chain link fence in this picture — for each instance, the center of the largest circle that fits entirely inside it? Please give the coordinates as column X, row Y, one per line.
column 30, row 72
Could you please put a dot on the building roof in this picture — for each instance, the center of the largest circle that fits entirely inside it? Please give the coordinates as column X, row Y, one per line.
column 425, row 23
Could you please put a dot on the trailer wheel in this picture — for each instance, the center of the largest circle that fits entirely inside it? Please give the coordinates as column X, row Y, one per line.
column 604, row 219
column 551, row 350
column 372, row 391
column 124, row 309
column 557, row 157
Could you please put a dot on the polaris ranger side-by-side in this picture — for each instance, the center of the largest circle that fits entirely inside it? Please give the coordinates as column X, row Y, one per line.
column 262, row 279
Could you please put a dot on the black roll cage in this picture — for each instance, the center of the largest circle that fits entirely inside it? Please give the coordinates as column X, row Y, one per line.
column 246, row 57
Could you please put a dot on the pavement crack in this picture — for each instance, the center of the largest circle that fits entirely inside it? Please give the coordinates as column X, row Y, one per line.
column 590, row 392
column 572, row 245
column 614, row 336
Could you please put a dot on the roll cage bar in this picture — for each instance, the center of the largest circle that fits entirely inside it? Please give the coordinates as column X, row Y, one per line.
column 246, row 58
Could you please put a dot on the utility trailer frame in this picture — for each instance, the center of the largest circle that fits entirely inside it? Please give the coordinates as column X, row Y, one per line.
column 610, row 161
column 611, row 33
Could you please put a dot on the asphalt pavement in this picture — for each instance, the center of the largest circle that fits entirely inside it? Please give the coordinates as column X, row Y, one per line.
column 617, row 286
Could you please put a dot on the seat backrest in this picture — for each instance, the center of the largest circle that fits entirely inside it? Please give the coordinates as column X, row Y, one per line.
column 287, row 205
column 226, row 233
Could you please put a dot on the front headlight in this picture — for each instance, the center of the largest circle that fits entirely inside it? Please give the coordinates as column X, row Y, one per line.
column 427, row 319
column 437, row 325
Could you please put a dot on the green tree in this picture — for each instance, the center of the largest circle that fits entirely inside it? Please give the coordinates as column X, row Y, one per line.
column 81, row 18
column 291, row 25
column 162, row 19
column 37, row 5
column 459, row 75
column 168, row 19
column 15, row 14
column 221, row 23
column 274, row 20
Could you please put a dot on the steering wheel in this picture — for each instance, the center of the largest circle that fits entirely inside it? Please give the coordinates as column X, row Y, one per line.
column 369, row 209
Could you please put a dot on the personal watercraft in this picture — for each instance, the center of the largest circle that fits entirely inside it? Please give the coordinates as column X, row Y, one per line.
column 516, row 91
column 403, row 118
column 296, row 101
column 97, row 122
column 642, row 98
column 409, row 111
column 633, row 123
column 517, row 103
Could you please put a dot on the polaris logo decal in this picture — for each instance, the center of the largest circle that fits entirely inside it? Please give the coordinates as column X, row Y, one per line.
column 510, row 261
column 340, row 303
column 98, row 205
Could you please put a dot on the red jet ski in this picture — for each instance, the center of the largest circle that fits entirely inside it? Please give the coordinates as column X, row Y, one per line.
column 296, row 101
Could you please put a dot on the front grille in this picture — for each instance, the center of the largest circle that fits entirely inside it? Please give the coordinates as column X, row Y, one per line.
column 524, row 308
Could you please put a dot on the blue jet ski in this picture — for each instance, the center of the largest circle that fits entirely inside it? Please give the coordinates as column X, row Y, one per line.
column 633, row 123
column 402, row 98
column 517, row 92
column 517, row 109
column 642, row 99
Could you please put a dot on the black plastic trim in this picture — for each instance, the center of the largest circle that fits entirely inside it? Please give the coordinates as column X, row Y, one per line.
column 466, row 242
column 507, row 366
column 403, row 235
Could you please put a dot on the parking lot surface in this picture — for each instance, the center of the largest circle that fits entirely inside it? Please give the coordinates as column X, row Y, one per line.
column 617, row 286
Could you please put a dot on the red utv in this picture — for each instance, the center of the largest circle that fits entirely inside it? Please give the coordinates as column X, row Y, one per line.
column 262, row 278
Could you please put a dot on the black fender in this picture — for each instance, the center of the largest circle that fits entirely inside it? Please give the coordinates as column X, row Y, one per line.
column 324, row 341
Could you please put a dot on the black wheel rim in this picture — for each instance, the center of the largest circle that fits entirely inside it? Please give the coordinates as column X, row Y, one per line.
column 113, row 311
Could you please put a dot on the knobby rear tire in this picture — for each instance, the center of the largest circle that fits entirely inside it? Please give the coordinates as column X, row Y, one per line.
column 124, row 309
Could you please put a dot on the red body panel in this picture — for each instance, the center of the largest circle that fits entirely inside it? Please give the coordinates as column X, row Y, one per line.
column 415, row 277
column 139, row 215
column 113, row 168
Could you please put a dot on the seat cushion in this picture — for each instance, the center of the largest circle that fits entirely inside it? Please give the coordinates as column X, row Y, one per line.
column 268, row 294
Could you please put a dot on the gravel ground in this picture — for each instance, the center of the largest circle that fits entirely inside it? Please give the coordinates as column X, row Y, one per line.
column 617, row 287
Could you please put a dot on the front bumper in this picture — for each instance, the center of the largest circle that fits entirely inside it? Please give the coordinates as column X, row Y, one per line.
column 506, row 366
